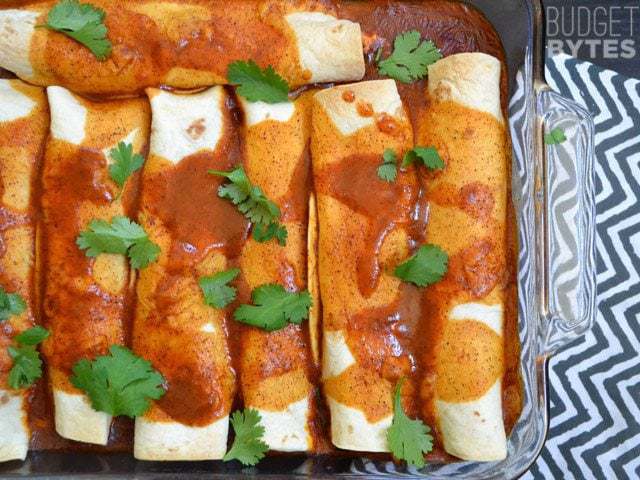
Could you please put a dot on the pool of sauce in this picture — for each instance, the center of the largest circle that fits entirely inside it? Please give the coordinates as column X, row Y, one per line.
column 454, row 27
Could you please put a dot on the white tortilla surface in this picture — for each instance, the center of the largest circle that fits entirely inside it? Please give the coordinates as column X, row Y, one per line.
column 329, row 48
column 382, row 95
column 14, row 433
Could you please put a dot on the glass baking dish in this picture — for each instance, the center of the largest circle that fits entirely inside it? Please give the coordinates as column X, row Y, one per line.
column 553, row 195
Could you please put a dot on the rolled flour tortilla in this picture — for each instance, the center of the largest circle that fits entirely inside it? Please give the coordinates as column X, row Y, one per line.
column 468, row 218
column 363, row 226
column 164, row 42
column 199, row 234
column 275, row 366
column 85, row 298
column 24, row 123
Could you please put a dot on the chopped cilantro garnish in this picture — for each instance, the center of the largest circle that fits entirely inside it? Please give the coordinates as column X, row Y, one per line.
column 258, row 85
column 388, row 170
column 429, row 157
column 408, row 439
column 27, row 365
column 410, row 58
column 253, row 204
column 215, row 289
column 427, row 266
column 274, row 307
column 121, row 236
column 10, row 304
column 555, row 136
column 120, row 383
column 248, row 447
column 84, row 23
column 125, row 163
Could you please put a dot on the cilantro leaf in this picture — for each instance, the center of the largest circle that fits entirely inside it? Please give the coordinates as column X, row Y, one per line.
column 215, row 289
column 427, row 266
column 388, row 170
column 125, row 163
column 410, row 58
column 27, row 365
column 33, row 336
column 248, row 447
column 142, row 253
column 121, row 236
column 263, row 233
column 555, row 136
column 84, row 23
column 408, row 439
column 10, row 304
column 120, row 383
column 274, row 307
column 429, row 157
column 258, row 85
column 253, row 204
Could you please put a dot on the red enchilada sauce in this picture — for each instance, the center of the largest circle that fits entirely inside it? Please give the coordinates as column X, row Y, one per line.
column 454, row 27
column 391, row 206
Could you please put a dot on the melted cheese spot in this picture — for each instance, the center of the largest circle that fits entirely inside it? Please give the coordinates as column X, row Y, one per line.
column 208, row 328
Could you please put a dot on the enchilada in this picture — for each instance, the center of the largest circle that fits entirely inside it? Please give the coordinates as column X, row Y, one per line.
column 468, row 217
column 183, row 45
column 364, row 227
column 24, row 122
column 86, row 299
column 276, row 367
column 374, row 326
column 199, row 234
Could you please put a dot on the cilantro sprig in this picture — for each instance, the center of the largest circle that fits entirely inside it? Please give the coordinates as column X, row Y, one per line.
column 83, row 22
column 253, row 204
column 258, row 85
column 248, row 447
column 388, row 170
column 408, row 439
column 10, row 304
column 125, row 163
column 426, row 267
column 217, row 293
column 428, row 156
column 410, row 58
column 274, row 307
column 555, row 136
column 263, row 233
column 27, row 365
column 121, row 236
column 120, row 383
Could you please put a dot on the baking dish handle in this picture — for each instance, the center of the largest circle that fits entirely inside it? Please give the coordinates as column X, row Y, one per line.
column 565, row 220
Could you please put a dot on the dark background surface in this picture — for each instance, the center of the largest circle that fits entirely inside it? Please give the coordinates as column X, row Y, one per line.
column 589, row 25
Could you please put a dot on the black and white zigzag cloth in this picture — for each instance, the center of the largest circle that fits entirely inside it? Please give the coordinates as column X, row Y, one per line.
column 595, row 382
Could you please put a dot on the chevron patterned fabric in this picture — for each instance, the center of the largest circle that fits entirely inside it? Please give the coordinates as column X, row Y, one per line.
column 595, row 382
